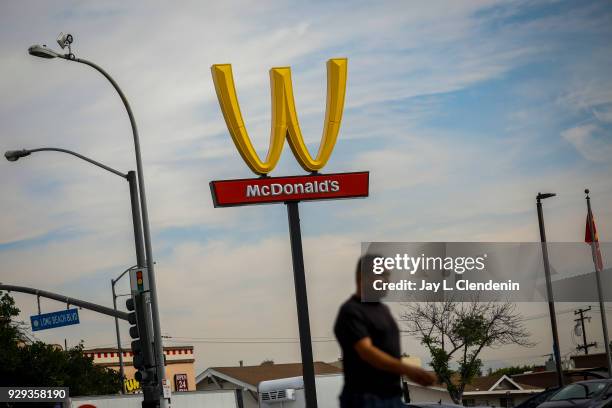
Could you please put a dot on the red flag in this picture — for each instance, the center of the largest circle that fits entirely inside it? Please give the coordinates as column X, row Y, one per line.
column 593, row 239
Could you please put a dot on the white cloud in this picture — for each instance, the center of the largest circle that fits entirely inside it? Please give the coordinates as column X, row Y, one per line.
column 591, row 141
column 604, row 114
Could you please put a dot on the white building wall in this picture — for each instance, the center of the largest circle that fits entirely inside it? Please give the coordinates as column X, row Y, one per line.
column 188, row 399
column 424, row 394
column 330, row 386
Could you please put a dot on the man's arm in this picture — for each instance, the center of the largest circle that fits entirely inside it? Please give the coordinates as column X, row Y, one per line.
column 383, row 361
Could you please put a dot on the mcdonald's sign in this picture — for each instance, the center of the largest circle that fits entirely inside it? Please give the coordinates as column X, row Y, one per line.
column 289, row 190
column 285, row 125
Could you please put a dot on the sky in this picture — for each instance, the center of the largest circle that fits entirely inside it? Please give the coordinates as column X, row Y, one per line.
column 461, row 111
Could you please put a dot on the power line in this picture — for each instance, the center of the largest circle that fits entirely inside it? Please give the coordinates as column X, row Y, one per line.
column 561, row 312
column 184, row 339
column 543, row 315
column 248, row 341
column 238, row 338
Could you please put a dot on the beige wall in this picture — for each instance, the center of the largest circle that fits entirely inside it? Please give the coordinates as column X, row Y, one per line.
column 179, row 360
column 171, row 370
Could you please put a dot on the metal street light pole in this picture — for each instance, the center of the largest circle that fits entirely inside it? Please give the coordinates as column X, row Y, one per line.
column 44, row 52
column 14, row 155
column 549, row 291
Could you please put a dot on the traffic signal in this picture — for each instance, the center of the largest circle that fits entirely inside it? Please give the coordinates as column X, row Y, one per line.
column 140, row 280
column 140, row 330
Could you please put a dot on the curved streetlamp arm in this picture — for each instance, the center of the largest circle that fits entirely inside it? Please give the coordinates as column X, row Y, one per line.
column 80, row 156
column 121, row 95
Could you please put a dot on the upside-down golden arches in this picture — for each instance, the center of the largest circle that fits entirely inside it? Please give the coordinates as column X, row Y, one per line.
column 284, row 119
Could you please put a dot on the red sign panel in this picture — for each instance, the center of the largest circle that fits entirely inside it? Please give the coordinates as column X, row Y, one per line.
column 264, row 190
column 180, row 382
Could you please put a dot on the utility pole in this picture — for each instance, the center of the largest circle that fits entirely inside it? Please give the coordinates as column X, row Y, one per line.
column 585, row 346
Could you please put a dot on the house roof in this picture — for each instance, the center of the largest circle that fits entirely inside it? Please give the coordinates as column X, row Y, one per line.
column 545, row 379
column 251, row 376
column 594, row 360
column 496, row 383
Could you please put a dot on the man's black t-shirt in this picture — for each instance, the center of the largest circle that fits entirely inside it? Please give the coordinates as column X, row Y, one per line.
column 355, row 321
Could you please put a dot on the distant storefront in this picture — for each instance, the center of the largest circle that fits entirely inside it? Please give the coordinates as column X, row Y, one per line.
column 180, row 371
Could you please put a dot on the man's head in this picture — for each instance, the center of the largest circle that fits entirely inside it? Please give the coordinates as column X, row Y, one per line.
column 365, row 277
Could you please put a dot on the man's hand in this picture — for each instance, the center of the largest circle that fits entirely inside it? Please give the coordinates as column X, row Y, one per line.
column 419, row 376
column 383, row 361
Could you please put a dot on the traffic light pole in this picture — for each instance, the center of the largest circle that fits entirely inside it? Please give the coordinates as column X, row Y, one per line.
column 142, row 348
column 152, row 393
column 136, row 219
column 119, row 348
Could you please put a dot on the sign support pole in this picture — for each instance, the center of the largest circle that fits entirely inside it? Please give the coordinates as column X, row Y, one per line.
column 61, row 298
column 301, row 298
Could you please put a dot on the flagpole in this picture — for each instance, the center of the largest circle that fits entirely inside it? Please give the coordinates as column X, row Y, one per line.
column 604, row 323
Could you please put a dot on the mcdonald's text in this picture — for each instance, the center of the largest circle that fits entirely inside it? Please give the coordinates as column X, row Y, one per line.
column 295, row 188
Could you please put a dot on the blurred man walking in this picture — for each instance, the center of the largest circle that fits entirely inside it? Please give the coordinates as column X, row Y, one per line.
column 370, row 342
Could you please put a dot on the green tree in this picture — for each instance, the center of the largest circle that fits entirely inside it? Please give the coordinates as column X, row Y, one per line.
column 456, row 333
column 512, row 370
column 10, row 335
column 27, row 363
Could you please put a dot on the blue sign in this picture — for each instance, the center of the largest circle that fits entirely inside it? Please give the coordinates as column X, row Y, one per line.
column 55, row 319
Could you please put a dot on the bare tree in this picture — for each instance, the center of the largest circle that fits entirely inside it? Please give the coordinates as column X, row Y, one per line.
column 458, row 332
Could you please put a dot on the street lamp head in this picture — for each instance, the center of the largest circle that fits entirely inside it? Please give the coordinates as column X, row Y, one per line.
column 14, row 155
column 43, row 52
column 542, row 196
